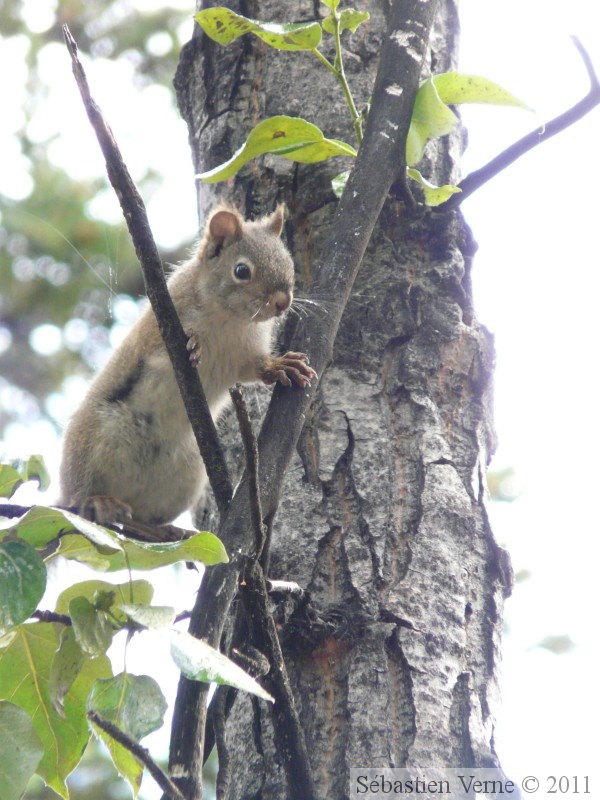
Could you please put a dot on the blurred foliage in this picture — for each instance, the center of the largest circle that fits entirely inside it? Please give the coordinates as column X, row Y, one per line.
column 504, row 484
column 58, row 264
column 559, row 644
column 122, row 28
column 523, row 575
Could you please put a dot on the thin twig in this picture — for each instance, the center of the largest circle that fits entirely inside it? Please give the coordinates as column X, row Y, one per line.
column 476, row 179
column 170, row 327
column 250, row 659
column 162, row 779
column 11, row 510
column 251, row 451
column 52, row 616
column 289, row 735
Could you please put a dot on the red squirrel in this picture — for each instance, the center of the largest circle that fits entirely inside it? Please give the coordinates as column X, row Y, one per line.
column 129, row 449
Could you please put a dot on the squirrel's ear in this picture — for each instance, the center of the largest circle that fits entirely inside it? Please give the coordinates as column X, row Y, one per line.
column 275, row 222
column 225, row 225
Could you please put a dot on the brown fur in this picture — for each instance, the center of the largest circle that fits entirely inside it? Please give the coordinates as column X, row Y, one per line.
column 131, row 440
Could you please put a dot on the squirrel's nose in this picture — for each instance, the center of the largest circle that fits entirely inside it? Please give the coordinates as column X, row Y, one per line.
column 282, row 301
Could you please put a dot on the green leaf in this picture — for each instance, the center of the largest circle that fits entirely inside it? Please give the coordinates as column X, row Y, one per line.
column 105, row 540
column 22, row 583
column 456, row 87
column 93, row 629
column 225, row 26
column 104, row 600
column 136, row 705
column 133, row 702
column 139, row 592
column 154, row 617
column 349, row 19
column 20, row 750
column 36, row 470
column 66, row 666
column 331, row 4
column 200, row 662
column 10, row 480
column 25, row 665
column 291, row 137
column 434, row 195
column 17, row 471
column 338, row 184
column 78, row 548
column 41, row 525
column 204, row 547
column 430, row 118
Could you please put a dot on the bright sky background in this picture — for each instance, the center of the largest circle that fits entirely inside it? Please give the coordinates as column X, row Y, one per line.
column 537, row 286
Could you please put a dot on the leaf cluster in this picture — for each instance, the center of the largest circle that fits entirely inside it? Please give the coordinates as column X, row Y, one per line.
column 54, row 668
column 298, row 140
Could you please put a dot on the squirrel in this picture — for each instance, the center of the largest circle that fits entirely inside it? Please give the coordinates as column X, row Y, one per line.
column 129, row 450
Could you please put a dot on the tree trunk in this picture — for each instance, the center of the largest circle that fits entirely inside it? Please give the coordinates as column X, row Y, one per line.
column 394, row 660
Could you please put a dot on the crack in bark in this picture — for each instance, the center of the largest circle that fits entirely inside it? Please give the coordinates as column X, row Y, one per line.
column 402, row 714
column 332, row 659
column 211, row 118
column 308, row 447
column 460, row 712
column 408, row 471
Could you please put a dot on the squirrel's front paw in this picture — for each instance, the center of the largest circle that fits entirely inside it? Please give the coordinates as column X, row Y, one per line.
column 194, row 348
column 105, row 510
column 288, row 369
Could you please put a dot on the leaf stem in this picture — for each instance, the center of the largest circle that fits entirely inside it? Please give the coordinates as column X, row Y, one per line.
column 163, row 780
column 337, row 69
column 339, row 66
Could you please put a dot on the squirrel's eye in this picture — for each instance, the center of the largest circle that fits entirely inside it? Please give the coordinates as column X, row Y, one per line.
column 242, row 271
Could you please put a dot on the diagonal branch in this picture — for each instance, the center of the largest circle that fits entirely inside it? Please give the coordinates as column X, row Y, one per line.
column 173, row 334
column 476, row 179
column 289, row 735
column 163, row 780
column 251, row 451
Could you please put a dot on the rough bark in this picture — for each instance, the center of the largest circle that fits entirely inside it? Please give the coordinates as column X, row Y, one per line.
column 394, row 661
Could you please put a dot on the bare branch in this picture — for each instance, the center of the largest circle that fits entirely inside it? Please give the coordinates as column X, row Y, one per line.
column 289, row 735
column 251, row 451
column 52, row 616
column 156, row 287
column 12, row 511
column 476, row 179
column 255, row 663
column 587, row 63
column 166, row 784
